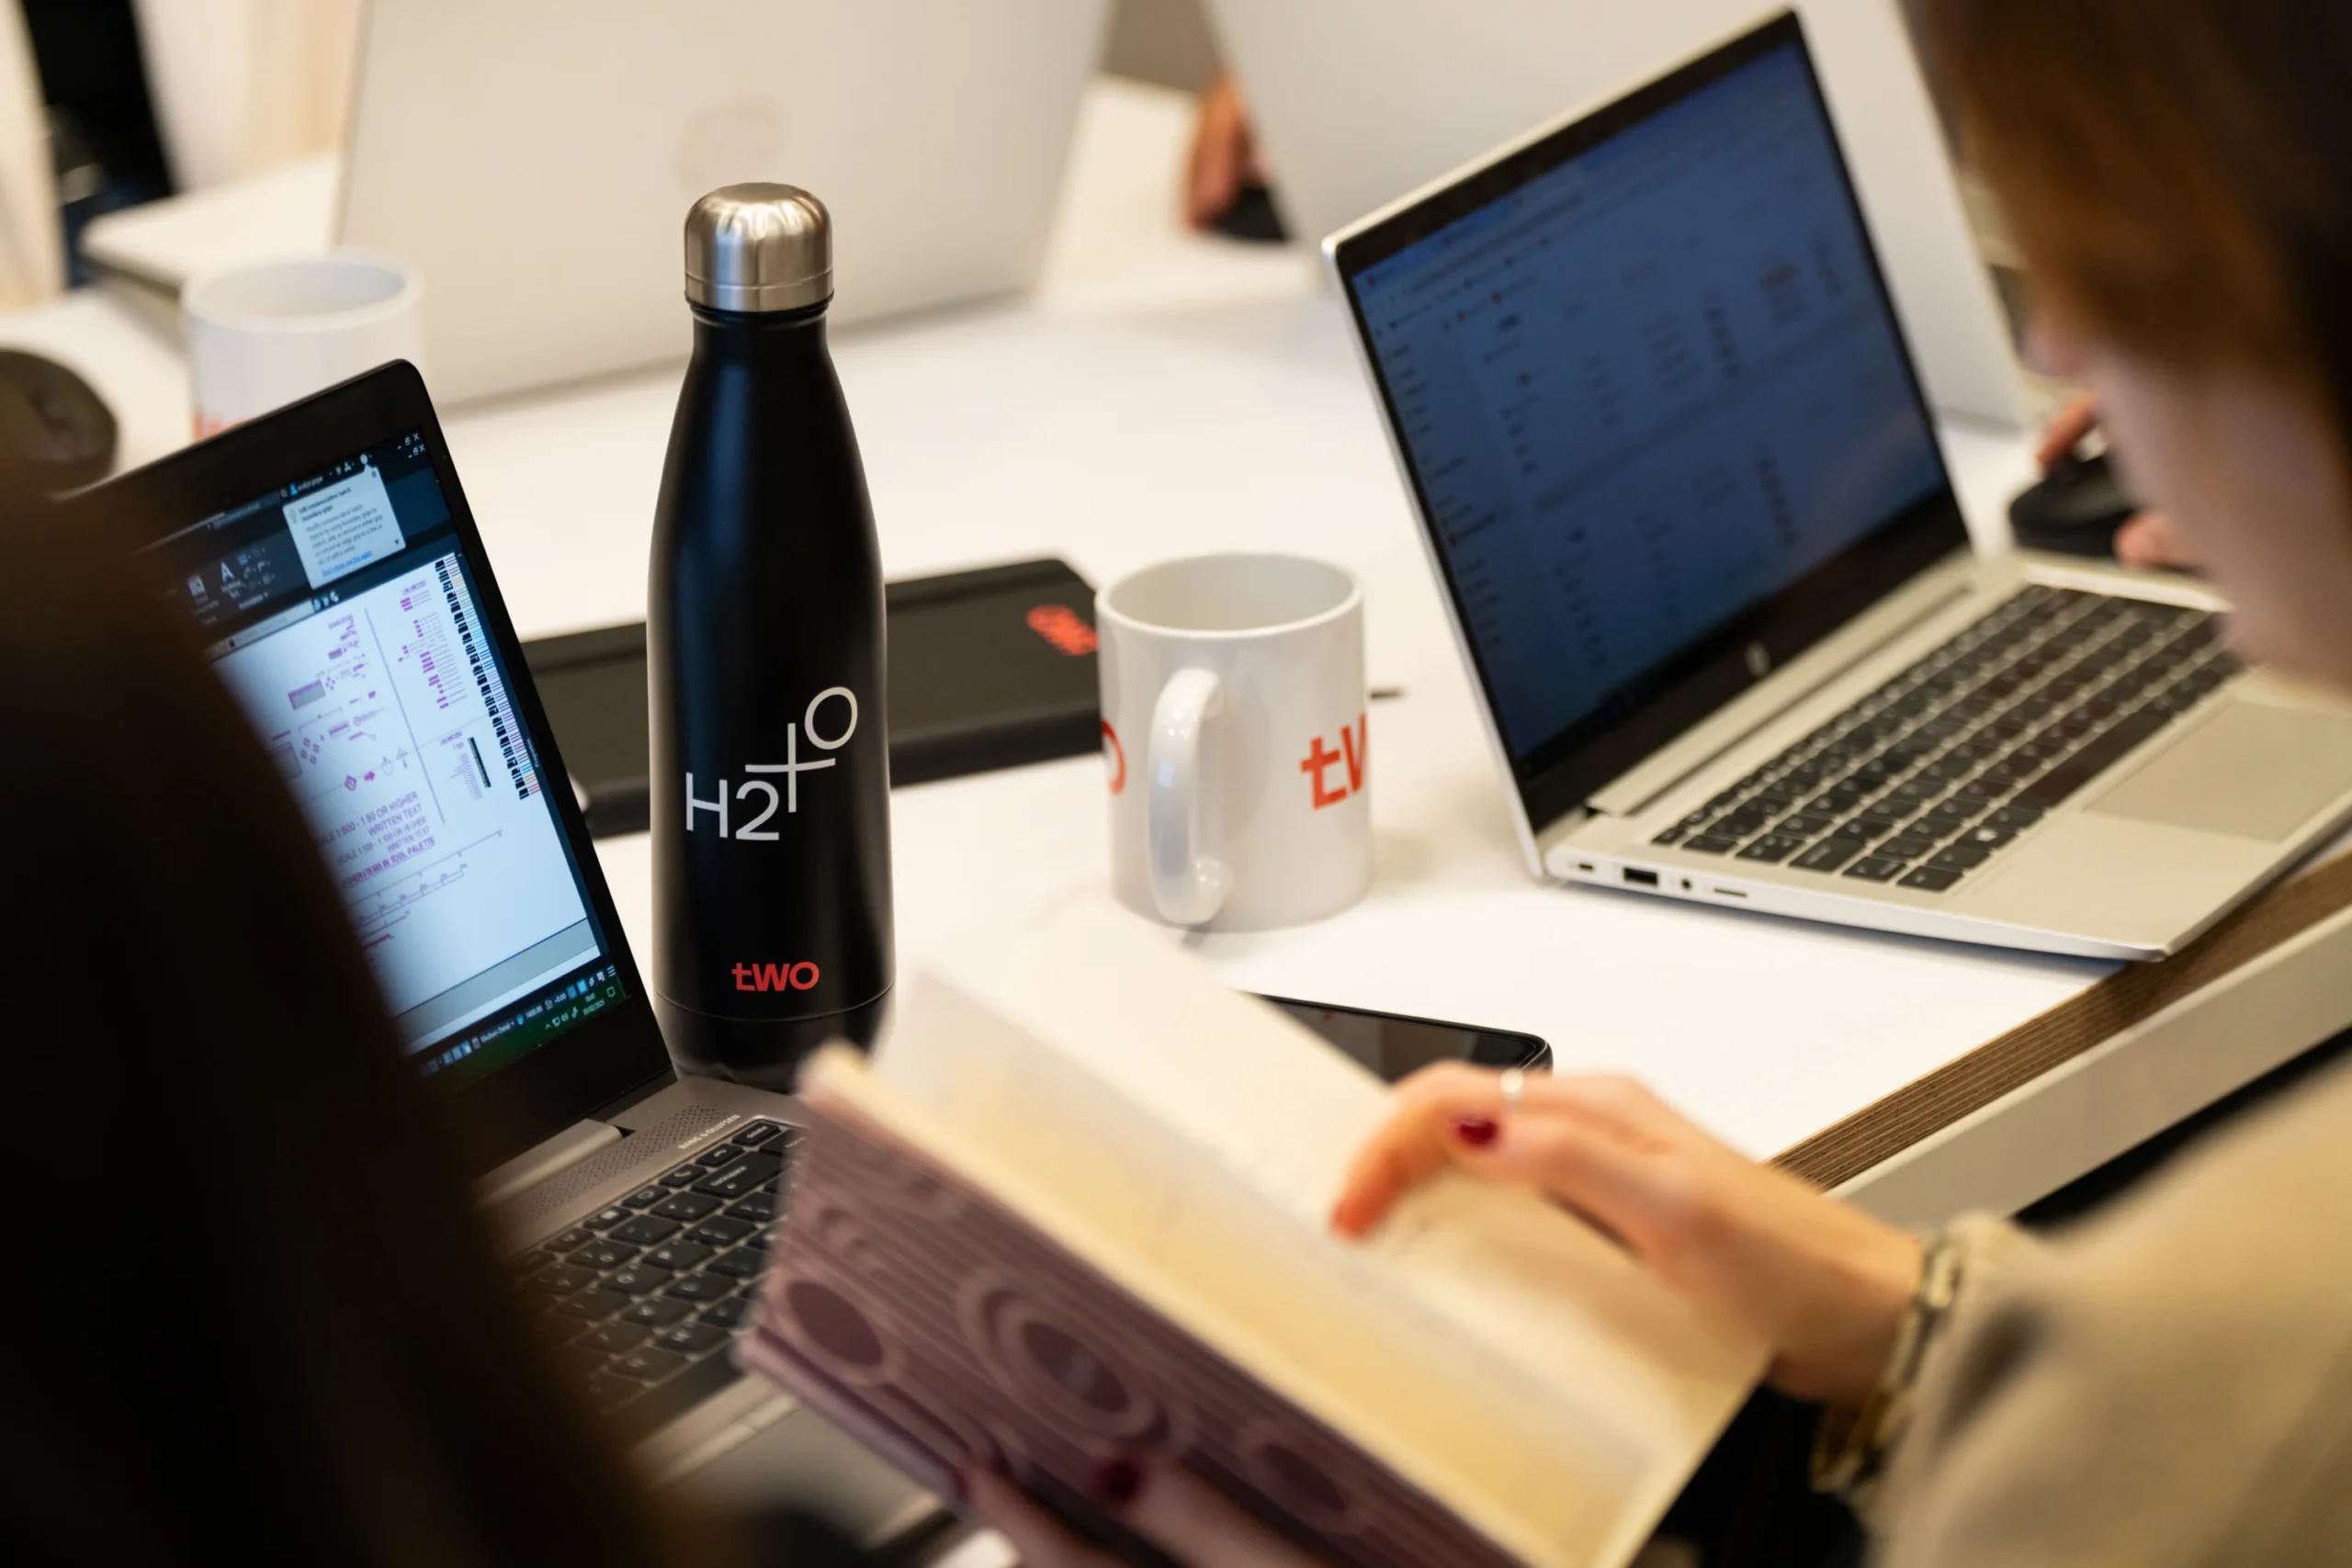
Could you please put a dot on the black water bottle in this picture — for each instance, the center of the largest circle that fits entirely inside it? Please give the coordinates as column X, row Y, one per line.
column 771, row 773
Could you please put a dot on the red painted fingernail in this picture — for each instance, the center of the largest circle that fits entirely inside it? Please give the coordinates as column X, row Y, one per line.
column 1477, row 1131
column 1116, row 1481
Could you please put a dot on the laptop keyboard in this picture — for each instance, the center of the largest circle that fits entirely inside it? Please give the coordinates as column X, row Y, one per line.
column 1935, row 773
column 646, row 1296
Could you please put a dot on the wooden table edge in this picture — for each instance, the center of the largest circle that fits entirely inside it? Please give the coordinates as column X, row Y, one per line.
column 2131, row 995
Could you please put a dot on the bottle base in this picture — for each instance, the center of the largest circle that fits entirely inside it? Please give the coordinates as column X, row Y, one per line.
column 761, row 1054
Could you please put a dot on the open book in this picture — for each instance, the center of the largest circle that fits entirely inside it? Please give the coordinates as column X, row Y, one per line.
column 1076, row 1210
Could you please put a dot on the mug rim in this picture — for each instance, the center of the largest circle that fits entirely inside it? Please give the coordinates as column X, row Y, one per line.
column 404, row 297
column 1351, row 600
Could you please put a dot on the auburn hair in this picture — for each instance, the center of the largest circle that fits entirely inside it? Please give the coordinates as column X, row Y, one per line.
column 2177, row 173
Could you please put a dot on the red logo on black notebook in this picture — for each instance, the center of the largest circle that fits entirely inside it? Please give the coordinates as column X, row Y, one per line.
column 1061, row 625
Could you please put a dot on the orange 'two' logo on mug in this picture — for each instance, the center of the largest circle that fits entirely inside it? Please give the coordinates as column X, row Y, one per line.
column 1355, row 746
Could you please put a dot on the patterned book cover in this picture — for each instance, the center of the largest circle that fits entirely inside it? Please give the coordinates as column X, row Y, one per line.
column 948, row 1334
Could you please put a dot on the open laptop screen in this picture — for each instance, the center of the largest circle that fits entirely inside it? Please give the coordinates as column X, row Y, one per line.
column 342, row 616
column 1650, row 391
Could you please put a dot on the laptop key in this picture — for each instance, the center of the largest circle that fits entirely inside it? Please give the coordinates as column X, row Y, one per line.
column 1772, row 848
column 644, row 1230
column 656, row 1312
column 560, row 1280
column 1960, row 857
column 1931, row 879
column 758, row 1208
column 678, row 1255
column 644, row 1198
column 1828, row 855
column 755, row 1172
column 603, row 1219
column 574, row 1237
column 1910, row 846
column 758, row 1133
column 640, row 1280
column 1875, row 868
column 722, row 1154
column 1804, row 825
column 1938, row 825
column 1673, row 835
column 684, row 1176
column 650, row 1364
column 692, row 1339
column 1712, row 844
column 721, row 1231
column 613, row 1338
column 531, row 1261
column 728, row 1314
column 1988, row 837
column 700, row 1288
column 686, row 1206
column 1746, row 820
column 740, row 1264
column 602, row 1254
column 594, row 1306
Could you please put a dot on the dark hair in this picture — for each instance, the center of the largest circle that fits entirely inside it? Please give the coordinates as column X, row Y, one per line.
column 253, row 1314
column 2177, row 173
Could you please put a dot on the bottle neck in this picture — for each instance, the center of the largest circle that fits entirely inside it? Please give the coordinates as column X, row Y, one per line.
column 759, row 336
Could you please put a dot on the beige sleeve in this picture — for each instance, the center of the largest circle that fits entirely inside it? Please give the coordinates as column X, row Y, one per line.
column 2171, row 1385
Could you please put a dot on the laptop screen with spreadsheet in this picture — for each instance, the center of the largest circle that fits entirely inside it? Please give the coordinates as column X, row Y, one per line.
column 341, row 613
column 1648, row 386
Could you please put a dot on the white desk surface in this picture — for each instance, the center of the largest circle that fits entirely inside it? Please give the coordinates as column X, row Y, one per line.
column 1164, row 394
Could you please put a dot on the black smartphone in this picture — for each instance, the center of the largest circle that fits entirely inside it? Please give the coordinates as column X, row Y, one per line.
column 1393, row 1044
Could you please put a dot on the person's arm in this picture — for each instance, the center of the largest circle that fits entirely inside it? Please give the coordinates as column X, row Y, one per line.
column 2165, row 1389
column 1964, row 1266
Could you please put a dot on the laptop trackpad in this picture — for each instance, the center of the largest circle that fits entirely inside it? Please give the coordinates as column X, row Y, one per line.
column 2255, row 770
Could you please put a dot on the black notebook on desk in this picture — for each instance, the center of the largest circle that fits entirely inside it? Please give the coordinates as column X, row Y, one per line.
column 989, row 669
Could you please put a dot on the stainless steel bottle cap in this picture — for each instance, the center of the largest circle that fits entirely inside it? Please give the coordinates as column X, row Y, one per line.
column 759, row 247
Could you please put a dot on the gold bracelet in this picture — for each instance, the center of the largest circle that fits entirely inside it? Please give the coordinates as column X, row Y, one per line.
column 1849, row 1458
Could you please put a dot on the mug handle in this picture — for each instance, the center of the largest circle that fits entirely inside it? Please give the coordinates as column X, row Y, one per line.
column 1188, row 884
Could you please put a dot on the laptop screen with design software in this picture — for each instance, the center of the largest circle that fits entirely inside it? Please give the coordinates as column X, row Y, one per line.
column 1651, row 393
column 341, row 614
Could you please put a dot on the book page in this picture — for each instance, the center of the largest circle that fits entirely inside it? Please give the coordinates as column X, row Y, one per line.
column 1537, row 1478
column 1090, row 1016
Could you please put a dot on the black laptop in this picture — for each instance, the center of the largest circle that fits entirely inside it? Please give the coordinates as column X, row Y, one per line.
column 328, row 558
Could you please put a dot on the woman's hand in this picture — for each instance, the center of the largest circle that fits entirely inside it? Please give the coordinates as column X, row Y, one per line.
column 2146, row 539
column 1186, row 1520
column 1822, row 1282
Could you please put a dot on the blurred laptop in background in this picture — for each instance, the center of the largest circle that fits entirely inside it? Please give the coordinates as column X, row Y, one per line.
column 535, row 159
column 1325, row 80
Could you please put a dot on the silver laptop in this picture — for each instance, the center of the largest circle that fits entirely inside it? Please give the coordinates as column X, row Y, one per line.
column 1697, row 540
column 1326, row 79
column 535, row 159
column 328, row 558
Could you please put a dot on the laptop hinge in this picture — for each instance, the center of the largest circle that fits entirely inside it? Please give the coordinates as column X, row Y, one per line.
column 543, row 1159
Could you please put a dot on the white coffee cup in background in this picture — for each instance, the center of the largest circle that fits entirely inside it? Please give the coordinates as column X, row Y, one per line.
column 262, row 335
column 1234, row 730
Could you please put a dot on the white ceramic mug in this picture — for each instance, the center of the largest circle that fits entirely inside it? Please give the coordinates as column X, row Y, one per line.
column 1235, row 735
column 262, row 335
